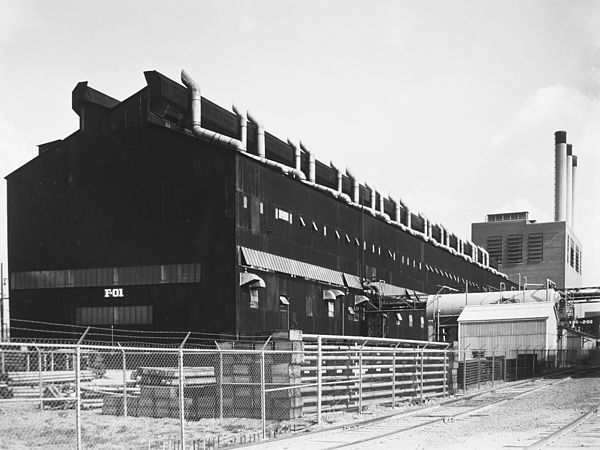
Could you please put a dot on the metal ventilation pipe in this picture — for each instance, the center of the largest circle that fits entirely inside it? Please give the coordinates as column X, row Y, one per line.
column 397, row 210
column 297, row 161
column 408, row 218
column 373, row 197
column 355, row 187
column 573, row 177
column 196, row 108
column 260, row 137
column 560, row 176
column 243, row 126
column 339, row 176
column 569, row 182
column 381, row 203
column 311, row 163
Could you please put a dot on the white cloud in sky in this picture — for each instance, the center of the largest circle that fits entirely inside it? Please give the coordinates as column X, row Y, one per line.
column 16, row 15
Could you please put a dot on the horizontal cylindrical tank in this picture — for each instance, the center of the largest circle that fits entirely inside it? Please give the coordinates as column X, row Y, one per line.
column 453, row 304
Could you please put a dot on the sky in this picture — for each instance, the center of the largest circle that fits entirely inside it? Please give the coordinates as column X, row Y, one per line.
column 449, row 106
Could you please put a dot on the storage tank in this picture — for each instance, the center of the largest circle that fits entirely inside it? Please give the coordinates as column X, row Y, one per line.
column 453, row 304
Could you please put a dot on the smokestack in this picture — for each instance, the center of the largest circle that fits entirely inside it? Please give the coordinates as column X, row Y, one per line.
column 569, row 182
column 573, row 191
column 560, row 176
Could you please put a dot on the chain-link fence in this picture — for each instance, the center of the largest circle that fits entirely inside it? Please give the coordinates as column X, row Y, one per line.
column 83, row 396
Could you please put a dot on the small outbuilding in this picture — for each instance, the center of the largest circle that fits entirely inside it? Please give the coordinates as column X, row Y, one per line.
column 508, row 327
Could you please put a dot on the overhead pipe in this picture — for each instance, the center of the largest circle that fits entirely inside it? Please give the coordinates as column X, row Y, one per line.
column 311, row 162
column 243, row 126
column 260, row 137
column 195, row 98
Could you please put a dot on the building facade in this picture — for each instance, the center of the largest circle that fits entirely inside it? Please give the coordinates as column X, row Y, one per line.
column 167, row 212
column 535, row 252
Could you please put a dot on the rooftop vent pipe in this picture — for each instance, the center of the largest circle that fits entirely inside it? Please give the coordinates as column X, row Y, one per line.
column 560, row 176
column 339, row 176
column 196, row 105
column 355, row 189
column 243, row 126
column 297, row 160
column 260, row 137
column 311, row 162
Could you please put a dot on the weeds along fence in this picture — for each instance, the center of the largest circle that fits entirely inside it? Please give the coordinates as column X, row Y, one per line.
column 164, row 396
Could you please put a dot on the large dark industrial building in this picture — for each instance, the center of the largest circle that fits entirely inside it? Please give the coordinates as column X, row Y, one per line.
column 167, row 212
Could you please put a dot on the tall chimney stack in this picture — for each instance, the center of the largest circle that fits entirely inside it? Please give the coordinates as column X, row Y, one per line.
column 569, row 183
column 560, row 176
column 573, row 192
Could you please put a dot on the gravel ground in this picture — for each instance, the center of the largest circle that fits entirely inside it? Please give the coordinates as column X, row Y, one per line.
column 515, row 423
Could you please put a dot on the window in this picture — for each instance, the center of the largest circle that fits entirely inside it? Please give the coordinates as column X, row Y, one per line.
column 315, row 227
column 330, row 309
column 535, row 247
column 357, row 241
column 352, row 314
column 572, row 252
column 283, row 215
column 302, row 222
column 578, row 260
column 261, row 208
column 514, row 249
column 410, row 320
column 422, row 322
column 398, row 319
column 337, row 235
column 494, row 248
column 348, row 240
column 324, row 230
column 245, row 202
column 253, row 298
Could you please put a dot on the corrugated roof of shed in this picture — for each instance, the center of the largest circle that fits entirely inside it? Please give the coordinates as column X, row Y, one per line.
column 507, row 311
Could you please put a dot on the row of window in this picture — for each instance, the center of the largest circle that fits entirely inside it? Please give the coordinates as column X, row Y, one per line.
column 114, row 315
column 573, row 255
column 286, row 216
column 107, row 276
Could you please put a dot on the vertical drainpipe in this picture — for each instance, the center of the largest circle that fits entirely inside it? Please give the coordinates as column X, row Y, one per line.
column 408, row 218
column 381, row 203
column 569, row 183
column 311, row 163
column 373, row 197
column 560, row 175
column 339, row 176
column 573, row 192
column 355, row 191
column 442, row 236
column 297, row 160
column 397, row 213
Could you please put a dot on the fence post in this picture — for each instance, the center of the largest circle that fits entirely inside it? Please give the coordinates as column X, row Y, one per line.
column 360, row 379
column 52, row 361
column 445, row 369
column 533, row 364
column 2, row 361
column 493, row 366
column 124, row 359
column 319, row 377
column 464, row 372
column 478, row 372
column 41, row 392
column 394, row 377
column 263, row 395
column 181, row 393
column 421, row 385
column 220, row 384
column 517, row 366
column 78, row 395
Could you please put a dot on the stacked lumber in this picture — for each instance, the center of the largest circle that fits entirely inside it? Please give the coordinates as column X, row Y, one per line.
column 27, row 384
column 5, row 389
column 159, row 394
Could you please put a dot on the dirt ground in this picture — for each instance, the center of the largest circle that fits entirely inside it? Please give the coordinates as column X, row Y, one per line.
column 24, row 426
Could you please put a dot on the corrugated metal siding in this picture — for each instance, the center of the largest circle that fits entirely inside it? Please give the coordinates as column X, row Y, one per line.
column 289, row 266
column 501, row 335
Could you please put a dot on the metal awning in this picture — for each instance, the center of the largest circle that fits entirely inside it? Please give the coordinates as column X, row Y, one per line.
column 251, row 279
column 358, row 299
column 332, row 294
column 275, row 263
column 352, row 281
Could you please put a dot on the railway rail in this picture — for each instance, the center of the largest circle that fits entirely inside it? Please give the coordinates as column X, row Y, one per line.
column 582, row 432
column 358, row 434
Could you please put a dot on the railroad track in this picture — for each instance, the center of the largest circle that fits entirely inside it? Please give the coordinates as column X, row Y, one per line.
column 358, row 434
column 581, row 432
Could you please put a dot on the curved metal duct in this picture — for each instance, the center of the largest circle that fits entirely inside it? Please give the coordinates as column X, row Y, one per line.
column 339, row 176
column 311, row 162
column 297, row 160
column 355, row 188
column 243, row 126
column 260, row 137
column 196, row 109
